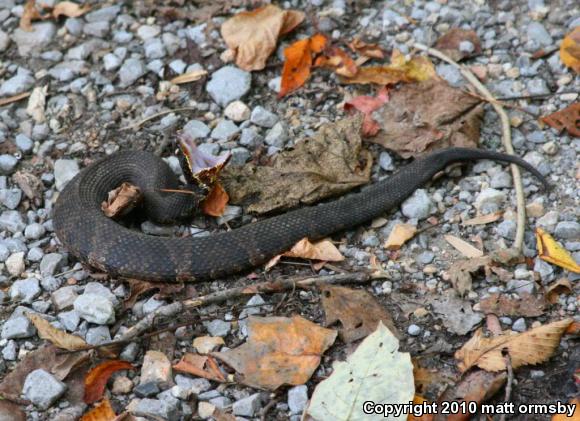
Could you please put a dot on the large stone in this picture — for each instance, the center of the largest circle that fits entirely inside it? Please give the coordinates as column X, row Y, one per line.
column 228, row 84
column 42, row 388
column 64, row 171
column 95, row 309
column 36, row 40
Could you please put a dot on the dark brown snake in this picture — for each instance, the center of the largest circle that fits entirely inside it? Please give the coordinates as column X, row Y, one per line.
column 109, row 246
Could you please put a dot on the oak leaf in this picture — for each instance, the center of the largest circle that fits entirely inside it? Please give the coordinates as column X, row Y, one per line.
column 550, row 251
column 568, row 119
column 570, row 50
column 253, row 35
column 531, row 347
column 299, row 58
column 97, row 378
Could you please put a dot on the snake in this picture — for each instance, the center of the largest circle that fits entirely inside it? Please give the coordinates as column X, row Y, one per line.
column 107, row 245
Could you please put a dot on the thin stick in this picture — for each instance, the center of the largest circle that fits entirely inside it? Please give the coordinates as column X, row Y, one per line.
column 154, row 116
column 509, row 383
column 506, row 140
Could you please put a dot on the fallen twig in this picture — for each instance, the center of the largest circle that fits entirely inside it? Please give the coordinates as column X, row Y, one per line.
column 506, row 139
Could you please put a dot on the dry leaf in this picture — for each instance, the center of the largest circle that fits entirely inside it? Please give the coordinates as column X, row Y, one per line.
column 10, row 411
column 330, row 164
column 483, row 219
column 14, row 98
column 449, row 42
column 365, row 49
column 413, row 124
column 460, row 273
column 358, row 311
column 69, row 9
column 457, row 315
column 206, row 344
column 502, row 305
column 298, row 62
column 56, row 336
column 367, row 105
column 574, row 406
column 279, row 350
column 419, row 400
column 568, row 118
column 555, row 289
column 400, row 234
column 531, row 347
column 323, row 250
column 97, row 378
column 550, row 251
column 188, row 77
column 122, row 200
column 417, row 69
column 103, row 411
column 570, row 50
column 63, row 8
column 338, row 60
column 29, row 14
column 216, row 201
column 464, row 247
column 138, row 287
column 253, row 35
column 200, row 366
column 36, row 103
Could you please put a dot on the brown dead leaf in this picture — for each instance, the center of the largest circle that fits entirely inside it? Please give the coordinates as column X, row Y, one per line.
column 103, row 411
column 413, row 124
column 400, row 234
column 570, row 50
column 253, row 35
column 460, row 273
column 551, row 251
column 457, row 315
column 216, row 201
column 189, row 77
column 323, row 250
column 96, row 379
column 358, row 311
column 64, row 8
column 56, row 336
column 29, row 14
column 477, row 386
column 331, row 163
column 338, row 60
column 526, row 305
column 298, row 62
column 367, row 105
column 568, row 118
column 14, row 98
column 200, row 366
column 449, row 42
column 483, row 219
column 555, row 289
column 30, row 184
column 279, row 351
column 531, row 347
column 463, row 247
column 138, row 287
column 10, row 411
column 206, row 344
column 69, row 9
column 122, row 200
column 366, row 49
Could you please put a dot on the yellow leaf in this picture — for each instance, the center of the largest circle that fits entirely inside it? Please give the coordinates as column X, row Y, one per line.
column 463, row 247
column 552, row 252
column 531, row 347
column 399, row 235
column 570, row 50
column 54, row 335
column 192, row 76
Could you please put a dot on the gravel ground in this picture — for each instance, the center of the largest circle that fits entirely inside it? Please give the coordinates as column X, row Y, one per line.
column 104, row 73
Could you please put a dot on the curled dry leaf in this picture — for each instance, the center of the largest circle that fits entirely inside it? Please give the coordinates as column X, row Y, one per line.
column 97, row 378
column 552, row 252
column 460, row 273
column 400, row 234
column 69, row 9
column 366, row 49
column 322, row 250
column 367, row 104
column 103, row 411
column 298, row 62
column 449, row 42
column 463, row 247
column 56, row 336
column 279, row 351
column 64, row 8
column 526, row 305
column 570, row 50
column 253, row 35
column 200, row 366
column 531, row 347
column 555, row 289
column 188, row 77
column 358, row 311
column 331, row 163
column 413, row 124
column 122, row 200
column 36, row 103
column 568, row 118
column 337, row 60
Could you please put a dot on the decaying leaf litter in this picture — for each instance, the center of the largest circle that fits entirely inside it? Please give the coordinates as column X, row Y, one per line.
column 418, row 127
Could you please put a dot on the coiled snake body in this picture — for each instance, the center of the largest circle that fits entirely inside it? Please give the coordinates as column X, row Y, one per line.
column 103, row 243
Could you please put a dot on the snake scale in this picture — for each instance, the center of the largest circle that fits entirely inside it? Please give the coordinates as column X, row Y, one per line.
column 107, row 245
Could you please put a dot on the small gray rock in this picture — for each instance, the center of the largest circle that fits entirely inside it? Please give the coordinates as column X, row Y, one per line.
column 195, row 386
column 297, row 399
column 97, row 29
column 10, row 351
column 10, row 197
column 218, row 327
column 4, row 252
column 131, row 71
column 69, row 319
column 64, row 297
column 196, row 129
column 489, row 200
column 263, row 118
column 17, row 84
column 36, row 40
column 34, row 231
column 103, row 14
column 418, row 206
column 98, row 335
column 277, row 136
column 568, row 230
column 64, row 171
column 519, row 325
column 386, row 161
column 501, row 180
column 545, row 270
column 18, row 327
column 111, row 62
column 25, row 290
column 507, row 229
column 95, row 309
column 538, row 87
column 250, row 137
column 413, row 330
column 157, row 408
column 240, row 156
column 154, row 48
column 42, row 388
column 247, row 407
column 425, row 257
column 225, row 130
column 51, row 263
column 228, row 84
column 537, row 32
column 15, row 263
column 7, row 164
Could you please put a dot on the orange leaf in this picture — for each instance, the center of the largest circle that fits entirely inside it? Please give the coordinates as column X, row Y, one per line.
column 399, row 235
column 568, row 118
column 366, row 49
column 298, row 62
column 339, row 61
column 419, row 400
column 97, row 378
column 253, row 35
column 101, row 412
column 367, row 105
column 570, row 50
column 215, row 202
column 200, row 366
column 575, row 403
column 29, row 14
column 552, row 252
